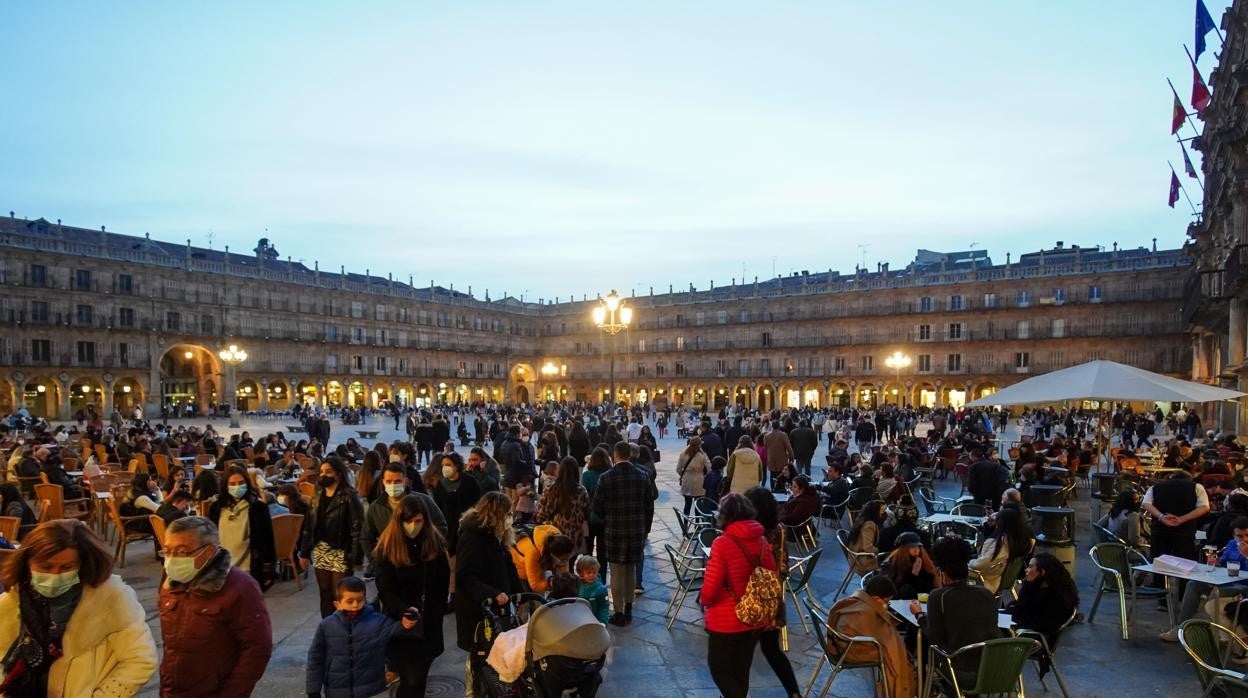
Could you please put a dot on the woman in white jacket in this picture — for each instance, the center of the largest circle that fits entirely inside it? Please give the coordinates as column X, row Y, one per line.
column 692, row 467
column 60, row 592
column 745, row 468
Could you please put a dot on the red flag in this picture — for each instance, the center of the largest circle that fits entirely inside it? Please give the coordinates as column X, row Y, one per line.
column 1174, row 188
column 1200, row 91
column 1176, row 119
column 1187, row 163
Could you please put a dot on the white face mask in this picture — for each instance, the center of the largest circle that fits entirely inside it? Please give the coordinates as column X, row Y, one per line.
column 396, row 491
column 51, row 585
column 448, row 471
column 181, row 569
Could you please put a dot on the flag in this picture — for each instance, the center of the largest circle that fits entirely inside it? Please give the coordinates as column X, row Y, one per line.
column 1200, row 91
column 1204, row 25
column 1187, row 163
column 1174, row 188
column 1176, row 118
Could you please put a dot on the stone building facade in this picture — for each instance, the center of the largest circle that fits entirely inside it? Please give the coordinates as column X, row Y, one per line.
column 119, row 321
column 1215, row 305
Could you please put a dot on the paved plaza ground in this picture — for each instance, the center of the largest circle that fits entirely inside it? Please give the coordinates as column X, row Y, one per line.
column 649, row 660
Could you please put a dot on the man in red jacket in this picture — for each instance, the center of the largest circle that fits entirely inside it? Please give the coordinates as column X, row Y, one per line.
column 213, row 619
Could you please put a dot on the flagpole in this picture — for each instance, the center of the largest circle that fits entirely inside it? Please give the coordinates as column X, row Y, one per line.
column 1182, row 189
column 1187, row 159
column 1186, row 114
column 1213, row 24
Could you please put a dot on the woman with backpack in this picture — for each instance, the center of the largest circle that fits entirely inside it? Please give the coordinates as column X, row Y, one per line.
column 692, row 467
column 731, row 568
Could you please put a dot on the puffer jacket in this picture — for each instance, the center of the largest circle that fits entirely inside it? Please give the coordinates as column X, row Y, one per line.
column 347, row 658
column 733, row 558
column 220, row 614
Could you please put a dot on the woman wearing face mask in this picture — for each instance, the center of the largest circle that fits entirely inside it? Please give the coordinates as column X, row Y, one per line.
column 245, row 527
column 413, row 572
column 332, row 530
column 60, row 592
column 451, row 491
column 483, row 567
column 393, row 484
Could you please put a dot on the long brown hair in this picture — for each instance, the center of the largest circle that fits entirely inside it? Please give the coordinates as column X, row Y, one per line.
column 95, row 563
column 900, row 560
column 695, row 445
column 567, row 482
column 491, row 513
column 392, row 544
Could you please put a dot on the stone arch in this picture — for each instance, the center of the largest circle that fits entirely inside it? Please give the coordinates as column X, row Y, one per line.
column 247, row 396
column 840, row 395
column 788, row 395
column 893, row 393
column 187, row 372
column 741, row 395
column 85, row 392
column 867, row 396
column 308, row 394
column 279, row 396
column 335, row 394
column 954, row 395
column 7, row 399
column 41, row 396
column 721, row 398
column 128, row 393
column 983, row 389
column 925, row 395
column 766, row 399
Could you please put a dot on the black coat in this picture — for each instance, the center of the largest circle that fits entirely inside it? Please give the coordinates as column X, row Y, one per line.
column 986, row 480
column 344, row 518
column 454, row 504
column 422, row 585
column 260, row 538
column 578, row 447
column 804, row 441
column 483, row 570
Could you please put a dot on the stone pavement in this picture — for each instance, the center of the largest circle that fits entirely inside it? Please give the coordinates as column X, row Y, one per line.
column 648, row 660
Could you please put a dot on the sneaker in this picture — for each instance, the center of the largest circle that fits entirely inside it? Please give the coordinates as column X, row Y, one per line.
column 1171, row 635
column 639, row 590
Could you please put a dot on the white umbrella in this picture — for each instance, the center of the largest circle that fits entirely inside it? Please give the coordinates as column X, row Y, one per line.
column 1104, row 380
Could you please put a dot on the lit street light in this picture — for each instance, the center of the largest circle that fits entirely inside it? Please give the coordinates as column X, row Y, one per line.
column 612, row 317
column 897, row 361
column 233, row 356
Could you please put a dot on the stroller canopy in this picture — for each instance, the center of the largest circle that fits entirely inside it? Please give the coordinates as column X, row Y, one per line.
column 567, row 628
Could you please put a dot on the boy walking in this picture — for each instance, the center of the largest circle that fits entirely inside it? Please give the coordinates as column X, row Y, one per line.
column 353, row 641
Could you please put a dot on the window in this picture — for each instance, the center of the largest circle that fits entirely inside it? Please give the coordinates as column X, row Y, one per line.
column 1059, row 295
column 955, row 330
column 925, row 333
column 745, row 316
column 125, row 284
column 40, row 350
column 38, row 311
column 86, row 353
column 123, row 354
column 868, row 363
column 1024, row 299
column 1024, row 329
column 1094, row 294
column 38, row 275
column 205, row 324
column 357, row 309
column 788, row 365
column 990, row 300
column 83, row 315
column 173, row 321
column 660, row 370
column 1022, row 359
column 331, row 333
column 954, row 363
column 125, row 317
column 680, row 368
column 925, row 304
column 357, row 335
column 764, row 367
column 838, row 364
column 766, row 339
column 381, row 363
column 381, row 337
column 721, row 367
column 699, row 318
column 680, row 320
column 1059, row 327
column 680, row 344
column 82, row 279
column 955, row 302
column 331, row 362
column 641, row 345
column 743, row 367
column 925, row 363
column 357, row 362
column 641, row 369
column 379, row 313
column 722, row 317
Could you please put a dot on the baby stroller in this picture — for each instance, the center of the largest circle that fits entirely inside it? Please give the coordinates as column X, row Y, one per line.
column 565, row 649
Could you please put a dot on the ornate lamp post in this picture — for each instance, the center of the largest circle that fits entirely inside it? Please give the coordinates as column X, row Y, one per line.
column 549, row 371
column 233, row 356
column 897, row 361
column 612, row 317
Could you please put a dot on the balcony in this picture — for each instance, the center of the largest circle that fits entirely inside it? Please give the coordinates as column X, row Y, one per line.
column 1202, row 292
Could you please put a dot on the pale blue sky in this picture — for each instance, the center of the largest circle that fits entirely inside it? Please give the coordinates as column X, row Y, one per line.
column 567, row 148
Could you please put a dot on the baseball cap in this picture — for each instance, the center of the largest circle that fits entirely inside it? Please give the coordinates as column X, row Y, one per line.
column 909, row 539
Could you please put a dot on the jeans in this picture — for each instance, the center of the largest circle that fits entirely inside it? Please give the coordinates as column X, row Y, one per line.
column 623, row 586
column 729, row 656
column 769, row 643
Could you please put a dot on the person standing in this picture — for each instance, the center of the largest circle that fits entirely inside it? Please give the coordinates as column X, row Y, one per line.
column 332, row 530
column 624, row 503
column 804, row 441
column 245, row 527
column 565, row 505
column 413, row 572
column 483, row 567
column 745, row 467
column 691, row 467
column 209, row 609
column 779, row 451
column 1177, row 504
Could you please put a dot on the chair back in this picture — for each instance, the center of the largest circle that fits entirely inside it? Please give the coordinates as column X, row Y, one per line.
column 960, row 529
column 203, row 459
column 46, row 511
column 53, row 498
column 158, row 528
column 161, row 463
column 307, row 490
column 1009, row 576
column 9, row 527
column 931, row 503
column 969, row 509
column 683, row 522
column 1199, row 639
column 804, row 569
column 707, row 536
column 101, row 454
column 286, row 528
column 1001, row 664
column 684, row 566
column 1116, row 560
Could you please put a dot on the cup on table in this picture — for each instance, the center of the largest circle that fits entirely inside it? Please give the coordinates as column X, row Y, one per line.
column 1232, row 568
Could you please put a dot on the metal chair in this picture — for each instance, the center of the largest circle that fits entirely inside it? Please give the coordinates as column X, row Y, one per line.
column 836, row 509
column 705, row 507
column 798, row 580
column 1200, row 639
column 689, row 570
column 1115, row 562
column 932, row 503
column 836, row 647
column 707, row 536
column 804, row 535
column 1046, row 651
column 969, row 509
column 842, row 537
column 1000, row 670
column 687, row 531
column 959, row 529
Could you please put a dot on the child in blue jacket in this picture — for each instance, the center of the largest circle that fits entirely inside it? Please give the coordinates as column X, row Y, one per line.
column 592, row 589
column 352, row 641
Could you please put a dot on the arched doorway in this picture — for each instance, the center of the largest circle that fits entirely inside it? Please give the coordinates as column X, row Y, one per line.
column 308, row 394
column 333, row 394
column 84, row 393
column 247, row 396
column 722, row 398
column 766, row 401
column 355, row 394
column 188, row 375
column 955, row 397
column 41, row 397
column 127, row 394
column 279, row 396
column 522, row 376
column 839, row 396
column 984, row 390
column 522, row 394
column 925, row 395
column 894, row 394
column 868, row 396
column 6, row 397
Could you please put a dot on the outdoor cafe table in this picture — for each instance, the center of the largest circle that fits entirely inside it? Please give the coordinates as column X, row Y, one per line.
column 902, row 608
column 1219, row 577
column 932, row 519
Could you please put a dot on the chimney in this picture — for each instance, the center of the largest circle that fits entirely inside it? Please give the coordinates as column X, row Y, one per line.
column 1059, row 244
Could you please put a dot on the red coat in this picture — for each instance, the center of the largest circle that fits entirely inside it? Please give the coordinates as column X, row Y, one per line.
column 729, row 566
column 216, row 634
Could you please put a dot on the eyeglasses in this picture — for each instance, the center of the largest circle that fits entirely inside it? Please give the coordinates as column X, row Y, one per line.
column 177, row 552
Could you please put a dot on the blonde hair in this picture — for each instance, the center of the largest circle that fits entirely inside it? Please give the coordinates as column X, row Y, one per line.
column 492, row 513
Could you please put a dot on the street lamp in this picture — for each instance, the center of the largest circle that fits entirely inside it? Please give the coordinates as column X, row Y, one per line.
column 549, row 371
column 612, row 317
column 897, row 361
column 233, row 356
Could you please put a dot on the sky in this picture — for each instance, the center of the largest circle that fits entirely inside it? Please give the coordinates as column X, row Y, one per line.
column 566, row 148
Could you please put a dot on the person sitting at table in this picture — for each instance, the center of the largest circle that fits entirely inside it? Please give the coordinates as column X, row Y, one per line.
column 206, row 486
column 55, row 471
column 865, row 613
column 1235, row 551
column 175, row 506
column 803, row 503
column 887, row 488
column 1011, row 538
column 1123, row 519
column 176, row 480
column 864, row 537
column 1236, row 506
column 986, row 479
column 13, row 504
column 905, row 521
column 1045, row 601
column 957, row 614
column 909, row 567
column 834, row 486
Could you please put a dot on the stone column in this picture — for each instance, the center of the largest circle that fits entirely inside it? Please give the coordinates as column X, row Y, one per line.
column 1238, row 333
column 106, row 398
column 63, row 411
column 154, row 393
column 1198, row 358
column 264, row 393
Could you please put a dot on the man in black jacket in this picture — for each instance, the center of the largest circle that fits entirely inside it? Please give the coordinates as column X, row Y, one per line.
column 804, row 441
column 957, row 613
column 623, row 501
column 986, row 479
column 711, row 443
